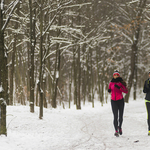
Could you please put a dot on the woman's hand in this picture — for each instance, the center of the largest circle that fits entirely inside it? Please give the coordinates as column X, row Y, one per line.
column 109, row 90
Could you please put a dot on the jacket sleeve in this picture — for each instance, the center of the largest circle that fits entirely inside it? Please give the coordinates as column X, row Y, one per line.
column 124, row 89
column 145, row 89
column 109, row 88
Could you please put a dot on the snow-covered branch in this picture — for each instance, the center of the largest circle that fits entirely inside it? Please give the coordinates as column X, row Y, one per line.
column 58, row 10
column 10, row 15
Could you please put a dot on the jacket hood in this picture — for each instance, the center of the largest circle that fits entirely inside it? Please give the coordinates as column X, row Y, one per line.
column 119, row 79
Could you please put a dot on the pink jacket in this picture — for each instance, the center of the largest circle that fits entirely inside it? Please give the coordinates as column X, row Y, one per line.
column 116, row 94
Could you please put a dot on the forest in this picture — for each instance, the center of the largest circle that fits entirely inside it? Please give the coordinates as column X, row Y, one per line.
column 58, row 52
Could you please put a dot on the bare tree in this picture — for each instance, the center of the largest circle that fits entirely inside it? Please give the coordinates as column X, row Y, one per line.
column 3, row 67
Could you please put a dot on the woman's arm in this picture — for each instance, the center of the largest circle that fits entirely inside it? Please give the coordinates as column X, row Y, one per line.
column 145, row 89
column 123, row 89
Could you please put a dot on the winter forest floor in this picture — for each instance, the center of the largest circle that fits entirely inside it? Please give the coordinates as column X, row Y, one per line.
column 86, row 129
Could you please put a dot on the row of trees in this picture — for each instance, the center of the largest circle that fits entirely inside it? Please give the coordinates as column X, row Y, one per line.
column 57, row 52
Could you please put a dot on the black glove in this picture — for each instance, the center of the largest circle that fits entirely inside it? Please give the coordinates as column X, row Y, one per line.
column 117, row 86
column 109, row 90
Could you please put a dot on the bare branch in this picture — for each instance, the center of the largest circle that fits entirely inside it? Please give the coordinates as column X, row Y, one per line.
column 10, row 15
column 48, row 27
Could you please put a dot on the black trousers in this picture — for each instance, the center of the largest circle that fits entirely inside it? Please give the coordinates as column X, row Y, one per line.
column 148, row 114
column 118, row 109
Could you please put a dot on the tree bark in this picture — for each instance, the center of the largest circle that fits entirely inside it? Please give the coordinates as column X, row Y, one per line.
column 57, row 66
column 12, row 72
column 3, row 78
column 79, row 80
column 32, row 47
column 40, row 83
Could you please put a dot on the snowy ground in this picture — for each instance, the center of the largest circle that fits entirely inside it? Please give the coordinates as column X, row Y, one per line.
column 86, row 129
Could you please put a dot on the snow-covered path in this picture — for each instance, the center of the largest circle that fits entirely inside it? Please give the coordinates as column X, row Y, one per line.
column 86, row 129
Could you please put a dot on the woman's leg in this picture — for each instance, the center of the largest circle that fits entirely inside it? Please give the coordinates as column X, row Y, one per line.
column 115, row 113
column 121, row 111
column 148, row 114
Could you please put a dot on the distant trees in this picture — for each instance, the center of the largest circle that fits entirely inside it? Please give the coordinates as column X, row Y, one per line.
column 128, row 27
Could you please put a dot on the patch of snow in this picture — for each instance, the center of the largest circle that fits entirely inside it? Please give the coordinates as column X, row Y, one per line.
column 71, row 129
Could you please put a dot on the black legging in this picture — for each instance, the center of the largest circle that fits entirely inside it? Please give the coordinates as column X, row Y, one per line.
column 148, row 114
column 118, row 106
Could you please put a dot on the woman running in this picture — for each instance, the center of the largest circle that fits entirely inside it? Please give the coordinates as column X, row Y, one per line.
column 116, row 87
column 147, row 101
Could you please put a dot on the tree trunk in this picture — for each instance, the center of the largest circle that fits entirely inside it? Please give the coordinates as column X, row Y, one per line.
column 135, row 78
column 12, row 72
column 92, row 79
column 134, row 47
column 3, row 78
column 32, row 47
column 70, row 84
column 79, row 80
column 75, row 75
column 57, row 66
column 40, row 84
column 79, row 65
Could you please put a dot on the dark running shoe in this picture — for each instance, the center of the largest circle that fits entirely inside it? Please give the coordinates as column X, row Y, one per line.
column 116, row 134
column 120, row 131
